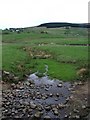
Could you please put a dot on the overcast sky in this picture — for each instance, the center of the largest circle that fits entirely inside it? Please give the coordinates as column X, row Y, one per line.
column 25, row 13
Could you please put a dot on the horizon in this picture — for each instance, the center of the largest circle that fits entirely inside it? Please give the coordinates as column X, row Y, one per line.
column 41, row 24
column 22, row 13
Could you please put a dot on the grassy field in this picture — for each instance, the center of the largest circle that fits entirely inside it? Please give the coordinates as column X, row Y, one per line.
column 29, row 51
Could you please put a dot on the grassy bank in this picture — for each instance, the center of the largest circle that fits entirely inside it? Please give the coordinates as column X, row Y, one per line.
column 24, row 53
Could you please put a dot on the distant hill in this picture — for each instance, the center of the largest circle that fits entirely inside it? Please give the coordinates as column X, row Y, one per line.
column 64, row 24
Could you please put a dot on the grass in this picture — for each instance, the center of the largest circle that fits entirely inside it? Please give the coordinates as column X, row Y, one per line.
column 64, row 61
column 67, row 53
column 57, row 70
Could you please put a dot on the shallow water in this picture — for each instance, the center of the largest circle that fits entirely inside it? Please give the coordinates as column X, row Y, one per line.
column 47, row 86
column 38, row 92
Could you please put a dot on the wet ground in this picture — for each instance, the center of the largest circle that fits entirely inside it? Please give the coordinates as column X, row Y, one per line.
column 43, row 98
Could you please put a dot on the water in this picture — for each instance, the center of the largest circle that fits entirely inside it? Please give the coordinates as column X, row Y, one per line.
column 42, row 91
column 47, row 86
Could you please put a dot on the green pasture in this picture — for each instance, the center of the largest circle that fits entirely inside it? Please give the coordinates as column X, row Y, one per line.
column 64, row 62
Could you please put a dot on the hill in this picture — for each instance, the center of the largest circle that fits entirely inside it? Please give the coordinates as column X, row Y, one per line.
column 64, row 24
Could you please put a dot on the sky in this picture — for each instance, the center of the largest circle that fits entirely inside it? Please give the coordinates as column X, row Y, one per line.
column 27, row 13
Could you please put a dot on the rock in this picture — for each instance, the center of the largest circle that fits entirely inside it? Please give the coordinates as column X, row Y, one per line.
column 57, row 94
column 16, row 78
column 38, row 93
column 17, row 86
column 6, row 73
column 26, row 103
column 39, row 108
column 8, row 103
column 75, row 83
column 83, row 107
column 66, row 116
column 56, row 99
column 50, row 94
column 47, row 86
column 13, row 85
column 86, row 99
column 42, row 87
column 76, row 111
column 37, row 114
column 70, row 89
column 71, row 97
column 67, row 99
column 6, row 111
column 27, row 83
column 32, row 105
column 43, row 97
column 24, row 110
column 33, row 97
column 47, row 108
column 54, row 108
column 30, row 110
column 55, row 111
column 15, row 111
column 31, row 85
column 39, row 97
column 77, row 116
column 46, row 89
column 47, row 117
column 80, row 83
column 21, row 88
column 59, row 85
column 61, row 106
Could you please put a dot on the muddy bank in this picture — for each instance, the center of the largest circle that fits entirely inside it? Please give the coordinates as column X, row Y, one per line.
column 42, row 98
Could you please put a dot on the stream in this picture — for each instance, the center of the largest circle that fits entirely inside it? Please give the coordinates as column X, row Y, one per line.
column 37, row 98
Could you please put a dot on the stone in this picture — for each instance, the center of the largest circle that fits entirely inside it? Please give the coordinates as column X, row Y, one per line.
column 16, row 78
column 76, row 111
column 6, row 73
column 56, row 99
column 86, row 99
column 47, row 108
column 47, row 117
column 56, row 112
column 66, row 116
column 33, row 106
column 37, row 114
column 6, row 111
column 26, row 103
column 67, row 99
column 53, row 106
column 77, row 116
column 75, row 83
column 83, row 106
column 13, row 85
column 50, row 94
column 57, row 94
column 40, row 107
column 27, row 83
column 59, row 85
column 43, row 97
column 46, row 89
column 61, row 106
column 38, row 93
column 21, row 88
column 80, row 83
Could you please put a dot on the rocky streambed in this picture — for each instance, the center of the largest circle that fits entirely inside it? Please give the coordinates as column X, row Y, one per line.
column 43, row 98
